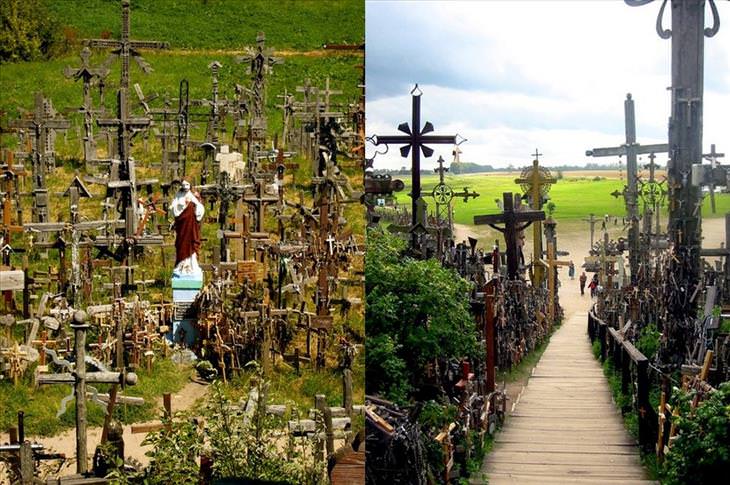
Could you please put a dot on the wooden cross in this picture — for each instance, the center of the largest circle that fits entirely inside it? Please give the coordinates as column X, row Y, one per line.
column 631, row 149
column 592, row 220
column 225, row 193
column 536, row 184
column 126, row 48
column 414, row 141
column 79, row 377
column 552, row 264
column 712, row 157
column 514, row 222
column 259, row 201
column 87, row 74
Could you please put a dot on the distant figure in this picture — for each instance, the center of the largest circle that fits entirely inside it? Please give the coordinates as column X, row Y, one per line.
column 593, row 285
column 571, row 270
column 582, row 279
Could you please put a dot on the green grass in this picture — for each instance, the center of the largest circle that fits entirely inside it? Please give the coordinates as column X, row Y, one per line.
column 220, row 24
column 41, row 404
column 574, row 197
column 522, row 370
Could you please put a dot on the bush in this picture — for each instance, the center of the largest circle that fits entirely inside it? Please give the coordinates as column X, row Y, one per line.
column 648, row 342
column 701, row 452
column 28, row 32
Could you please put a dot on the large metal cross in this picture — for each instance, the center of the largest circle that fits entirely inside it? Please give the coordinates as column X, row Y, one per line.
column 414, row 141
column 536, row 182
column 631, row 196
column 126, row 48
column 514, row 222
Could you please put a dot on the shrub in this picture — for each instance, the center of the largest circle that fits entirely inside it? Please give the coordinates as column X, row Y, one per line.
column 28, row 32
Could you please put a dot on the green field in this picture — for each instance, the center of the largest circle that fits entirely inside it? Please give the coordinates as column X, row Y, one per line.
column 574, row 196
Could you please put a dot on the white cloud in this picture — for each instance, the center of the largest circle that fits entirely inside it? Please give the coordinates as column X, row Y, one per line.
column 513, row 76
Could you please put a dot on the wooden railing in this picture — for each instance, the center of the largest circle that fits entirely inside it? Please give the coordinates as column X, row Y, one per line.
column 626, row 356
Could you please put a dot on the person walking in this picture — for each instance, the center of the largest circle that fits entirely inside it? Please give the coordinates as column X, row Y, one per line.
column 593, row 285
column 571, row 270
column 582, row 280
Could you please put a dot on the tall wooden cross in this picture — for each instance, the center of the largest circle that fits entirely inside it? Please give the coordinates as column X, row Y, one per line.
column 126, row 127
column 514, row 222
column 592, row 220
column 225, row 193
column 535, row 183
column 126, row 48
column 259, row 200
column 414, row 142
column 631, row 149
column 78, row 376
column 551, row 264
column 87, row 74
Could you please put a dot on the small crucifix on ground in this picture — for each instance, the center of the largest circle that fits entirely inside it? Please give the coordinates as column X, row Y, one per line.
column 514, row 222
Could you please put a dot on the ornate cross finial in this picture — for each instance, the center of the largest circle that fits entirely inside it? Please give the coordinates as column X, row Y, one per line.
column 667, row 33
column 537, row 154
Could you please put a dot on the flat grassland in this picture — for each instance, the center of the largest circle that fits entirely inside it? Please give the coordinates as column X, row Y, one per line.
column 576, row 195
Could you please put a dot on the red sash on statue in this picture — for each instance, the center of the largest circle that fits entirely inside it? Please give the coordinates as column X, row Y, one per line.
column 187, row 230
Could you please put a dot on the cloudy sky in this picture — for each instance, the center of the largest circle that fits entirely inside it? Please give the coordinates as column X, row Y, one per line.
column 513, row 76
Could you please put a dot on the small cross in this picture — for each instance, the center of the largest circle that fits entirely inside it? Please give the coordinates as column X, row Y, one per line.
column 536, row 154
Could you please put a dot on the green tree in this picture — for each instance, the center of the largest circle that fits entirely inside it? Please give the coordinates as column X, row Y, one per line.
column 27, row 31
column 416, row 312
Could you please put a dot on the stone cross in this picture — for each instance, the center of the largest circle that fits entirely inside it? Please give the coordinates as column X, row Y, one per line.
column 631, row 149
column 414, row 141
column 514, row 222
column 126, row 48
column 79, row 378
column 536, row 184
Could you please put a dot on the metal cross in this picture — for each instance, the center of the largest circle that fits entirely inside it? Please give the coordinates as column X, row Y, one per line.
column 414, row 141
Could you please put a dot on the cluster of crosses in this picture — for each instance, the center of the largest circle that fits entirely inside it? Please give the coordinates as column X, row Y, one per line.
column 294, row 245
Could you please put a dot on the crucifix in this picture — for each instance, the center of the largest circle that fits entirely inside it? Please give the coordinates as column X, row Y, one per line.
column 126, row 48
column 652, row 192
column 88, row 74
column 78, row 376
column 414, row 141
column 592, row 220
column 259, row 201
column 514, row 222
column 225, row 193
column 260, row 63
column 631, row 149
column 535, row 183
column 712, row 158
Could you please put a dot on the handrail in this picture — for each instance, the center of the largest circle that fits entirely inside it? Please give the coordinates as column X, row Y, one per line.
column 624, row 354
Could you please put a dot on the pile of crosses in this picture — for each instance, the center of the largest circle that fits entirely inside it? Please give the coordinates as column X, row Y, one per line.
column 660, row 275
column 513, row 313
column 284, row 256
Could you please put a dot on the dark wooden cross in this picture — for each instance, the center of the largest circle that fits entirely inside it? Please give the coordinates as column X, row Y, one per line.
column 414, row 141
column 125, row 48
column 88, row 74
column 514, row 222
column 536, row 184
column 79, row 378
column 126, row 127
column 259, row 201
column 631, row 149
column 225, row 193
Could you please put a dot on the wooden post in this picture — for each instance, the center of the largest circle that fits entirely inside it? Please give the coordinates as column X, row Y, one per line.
column 625, row 371
column 266, row 344
column 329, row 431
column 27, row 463
column 642, row 398
column 319, row 404
column 80, row 328
column 347, row 391
column 602, row 338
column 490, row 291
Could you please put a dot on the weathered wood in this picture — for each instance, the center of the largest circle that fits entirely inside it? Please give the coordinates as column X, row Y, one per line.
column 12, row 280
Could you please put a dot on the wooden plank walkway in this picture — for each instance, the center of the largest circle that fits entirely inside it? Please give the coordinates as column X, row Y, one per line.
column 565, row 427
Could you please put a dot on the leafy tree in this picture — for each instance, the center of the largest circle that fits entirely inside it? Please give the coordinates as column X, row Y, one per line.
column 27, row 31
column 416, row 312
column 701, row 452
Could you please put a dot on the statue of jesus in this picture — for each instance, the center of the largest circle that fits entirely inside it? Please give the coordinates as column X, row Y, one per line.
column 188, row 212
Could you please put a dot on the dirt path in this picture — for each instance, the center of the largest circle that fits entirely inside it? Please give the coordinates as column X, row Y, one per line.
column 66, row 441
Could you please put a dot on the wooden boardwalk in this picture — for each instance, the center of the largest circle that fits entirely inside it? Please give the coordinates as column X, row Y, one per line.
column 565, row 427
